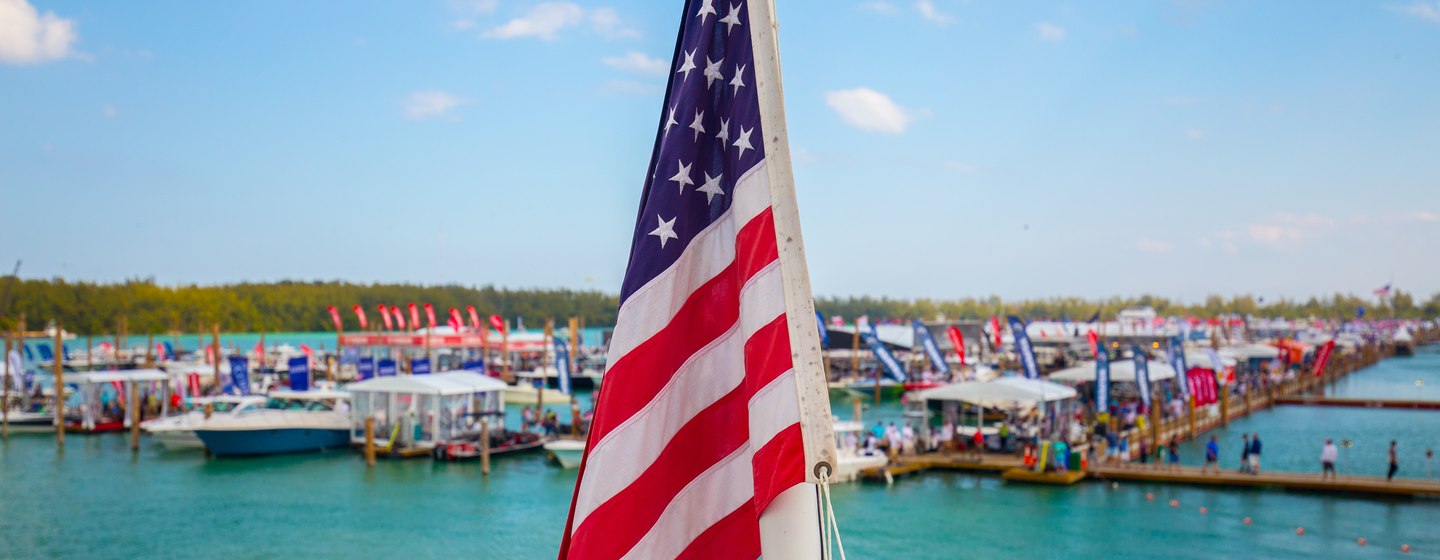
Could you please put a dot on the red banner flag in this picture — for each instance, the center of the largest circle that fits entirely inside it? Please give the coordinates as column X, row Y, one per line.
column 360, row 316
column 995, row 328
column 498, row 323
column 958, row 339
column 399, row 317
column 455, row 323
column 194, row 381
column 335, row 316
column 455, row 318
column 414, row 316
column 385, row 316
column 474, row 317
column 1322, row 357
column 430, row 314
column 1094, row 343
column 160, row 351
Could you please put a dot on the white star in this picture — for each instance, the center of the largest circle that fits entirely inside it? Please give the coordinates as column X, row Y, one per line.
column 706, row 9
column 682, row 176
column 711, row 187
column 666, row 230
column 731, row 19
column 744, row 141
column 688, row 65
column 739, row 80
column 712, row 71
column 724, row 134
column 697, row 126
column 670, row 120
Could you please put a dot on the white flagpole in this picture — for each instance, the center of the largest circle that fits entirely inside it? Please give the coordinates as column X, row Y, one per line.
column 791, row 526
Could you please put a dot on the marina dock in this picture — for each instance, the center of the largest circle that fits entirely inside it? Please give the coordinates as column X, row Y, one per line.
column 1000, row 464
column 1360, row 403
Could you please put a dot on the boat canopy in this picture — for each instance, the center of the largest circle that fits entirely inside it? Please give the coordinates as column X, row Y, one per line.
column 315, row 395
column 121, row 375
column 1120, row 370
column 1004, row 390
column 1252, row 352
column 449, row 383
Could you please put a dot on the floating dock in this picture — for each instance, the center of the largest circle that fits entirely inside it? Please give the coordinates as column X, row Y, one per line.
column 1359, row 403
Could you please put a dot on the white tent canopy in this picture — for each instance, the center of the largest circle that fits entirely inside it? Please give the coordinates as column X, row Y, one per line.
column 1003, row 390
column 1120, row 370
column 1251, row 351
column 1201, row 359
column 449, row 383
column 121, row 375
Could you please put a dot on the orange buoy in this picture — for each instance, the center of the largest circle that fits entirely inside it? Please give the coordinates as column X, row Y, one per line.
column 1404, row 548
column 1174, row 503
column 1246, row 520
column 1300, row 530
column 1150, row 496
column 1360, row 541
column 1204, row 511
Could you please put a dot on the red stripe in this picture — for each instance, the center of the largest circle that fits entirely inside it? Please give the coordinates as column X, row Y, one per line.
column 779, row 465
column 712, row 309
column 767, row 354
column 614, row 527
column 735, row 536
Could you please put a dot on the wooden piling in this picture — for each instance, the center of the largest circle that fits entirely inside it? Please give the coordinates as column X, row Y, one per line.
column 135, row 406
column 5, row 405
column 215, row 341
column 150, row 350
column 59, row 363
column 855, row 351
column 485, row 446
column 369, row 441
column 859, row 408
column 1190, row 404
column 1224, row 405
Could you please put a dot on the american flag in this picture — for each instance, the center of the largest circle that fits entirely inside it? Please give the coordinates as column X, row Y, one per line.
column 699, row 427
column 1383, row 291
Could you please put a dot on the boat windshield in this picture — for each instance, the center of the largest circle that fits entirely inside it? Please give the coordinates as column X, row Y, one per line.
column 224, row 406
column 297, row 404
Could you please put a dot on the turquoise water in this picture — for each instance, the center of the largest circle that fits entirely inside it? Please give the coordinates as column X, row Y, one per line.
column 98, row 500
column 1395, row 378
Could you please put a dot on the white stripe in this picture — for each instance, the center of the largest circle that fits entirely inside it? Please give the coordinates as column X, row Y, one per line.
column 706, row 500
column 773, row 409
column 652, row 306
column 711, row 373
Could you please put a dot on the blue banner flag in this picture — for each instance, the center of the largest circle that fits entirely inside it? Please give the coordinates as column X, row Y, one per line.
column 1022, row 346
column 29, row 354
column 1177, row 361
column 365, row 368
column 477, row 366
column 46, row 354
column 240, row 374
column 927, row 340
column 1142, row 376
column 824, row 332
column 419, row 366
column 1102, row 379
column 299, row 373
column 893, row 367
column 562, row 364
column 169, row 349
column 385, row 368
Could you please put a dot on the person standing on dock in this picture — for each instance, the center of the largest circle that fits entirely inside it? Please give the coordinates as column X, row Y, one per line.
column 1245, row 454
column 1328, row 455
column 1255, row 453
column 1212, row 456
column 1394, row 463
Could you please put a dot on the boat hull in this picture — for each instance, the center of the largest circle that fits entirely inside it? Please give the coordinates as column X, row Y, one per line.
column 566, row 452
column 178, row 440
column 276, row 441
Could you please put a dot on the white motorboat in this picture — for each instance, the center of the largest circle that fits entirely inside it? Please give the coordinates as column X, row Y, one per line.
column 567, row 452
column 850, row 458
column 178, row 432
column 24, row 422
column 290, row 422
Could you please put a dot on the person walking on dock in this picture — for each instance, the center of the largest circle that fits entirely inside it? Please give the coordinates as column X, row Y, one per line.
column 1245, row 454
column 1328, row 455
column 1394, row 463
column 1174, row 454
column 1212, row 456
column 1255, row 453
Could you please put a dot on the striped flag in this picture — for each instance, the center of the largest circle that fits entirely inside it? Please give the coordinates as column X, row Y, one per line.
column 715, row 415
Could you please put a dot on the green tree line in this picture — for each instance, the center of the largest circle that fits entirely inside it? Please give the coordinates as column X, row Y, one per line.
column 95, row 308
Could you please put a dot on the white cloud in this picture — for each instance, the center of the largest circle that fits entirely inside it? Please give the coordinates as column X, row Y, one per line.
column 638, row 62
column 428, row 104
column 609, row 25
column 1147, row 245
column 109, row 112
column 1050, row 32
column 930, row 12
column 1195, row 133
column 29, row 37
column 475, row 6
column 462, row 24
column 1273, row 234
column 542, row 21
column 961, row 166
column 1424, row 10
column 879, row 7
column 868, row 110
column 1427, row 216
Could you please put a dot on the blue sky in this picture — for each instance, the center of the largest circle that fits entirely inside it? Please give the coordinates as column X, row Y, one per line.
column 943, row 148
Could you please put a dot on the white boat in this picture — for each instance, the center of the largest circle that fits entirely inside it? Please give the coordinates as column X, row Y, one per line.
column 851, row 459
column 178, row 432
column 290, row 422
column 520, row 394
column 22, row 422
column 567, row 452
